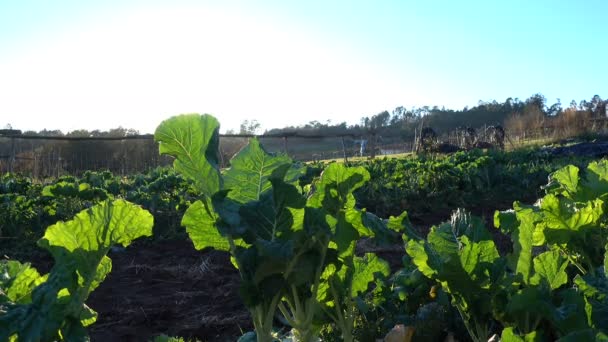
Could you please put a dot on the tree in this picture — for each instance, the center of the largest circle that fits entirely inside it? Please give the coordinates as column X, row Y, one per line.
column 597, row 106
column 398, row 115
column 380, row 120
column 538, row 101
column 249, row 127
column 555, row 108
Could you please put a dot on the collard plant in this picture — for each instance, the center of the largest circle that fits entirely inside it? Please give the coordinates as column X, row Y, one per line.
column 551, row 286
column 569, row 223
column 52, row 307
column 294, row 249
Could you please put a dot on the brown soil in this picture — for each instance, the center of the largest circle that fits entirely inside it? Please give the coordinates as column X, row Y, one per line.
column 169, row 288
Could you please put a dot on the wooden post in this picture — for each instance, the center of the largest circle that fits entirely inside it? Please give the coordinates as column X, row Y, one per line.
column 373, row 146
column 285, row 144
column 344, row 150
column 58, row 162
column 35, row 171
column 11, row 160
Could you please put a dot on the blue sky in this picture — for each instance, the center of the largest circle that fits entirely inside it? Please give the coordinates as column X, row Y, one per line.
column 101, row 64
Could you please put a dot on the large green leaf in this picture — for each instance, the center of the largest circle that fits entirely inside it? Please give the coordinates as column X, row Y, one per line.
column 278, row 213
column 97, row 229
column 595, row 290
column 477, row 258
column 596, row 180
column 250, row 172
column 199, row 221
column 17, row 281
column 365, row 270
column 568, row 178
column 402, row 224
column 334, row 191
column 193, row 140
column 509, row 335
column 563, row 219
column 334, row 194
column 425, row 263
column 551, row 268
column 521, row 225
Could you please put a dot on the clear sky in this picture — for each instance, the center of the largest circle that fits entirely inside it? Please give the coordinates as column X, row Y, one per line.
column 72, row 64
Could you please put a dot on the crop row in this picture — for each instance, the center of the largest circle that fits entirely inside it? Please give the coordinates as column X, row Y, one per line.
column 422, row 185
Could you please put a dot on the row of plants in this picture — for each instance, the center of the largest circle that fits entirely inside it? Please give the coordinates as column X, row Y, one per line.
column 422, row 185
column 474, row 179
column 294, row 242
column 28, row 207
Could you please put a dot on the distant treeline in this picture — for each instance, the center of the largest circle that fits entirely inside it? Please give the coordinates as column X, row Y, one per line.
column 46, row 158
column 402, row 121
column 513, row 113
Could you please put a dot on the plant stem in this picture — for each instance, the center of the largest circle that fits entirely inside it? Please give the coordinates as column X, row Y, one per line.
column 467, row 324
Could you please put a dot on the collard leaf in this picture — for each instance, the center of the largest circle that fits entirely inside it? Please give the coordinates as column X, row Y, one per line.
column 595, row 290
column 250, row 172
column 62, row 188
column 356, row 218
column 278, row 213
column 334, row 189
column 104, row 268
column 568, row 178
column 324, row 293
column 83, row 242
column 345, row 236
column 476, row 258
column 596, row 181
column 417, row 251
column 509, row 335
column 17, row 281
column 378, row 228
column 521, row 226
column 402, row 224
column 563, row 219
column 193, row 140
column 550, row 267
column 443, row 241
column 365, row 270
column 79, row 248
column 199, row 221
column 97, row 229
